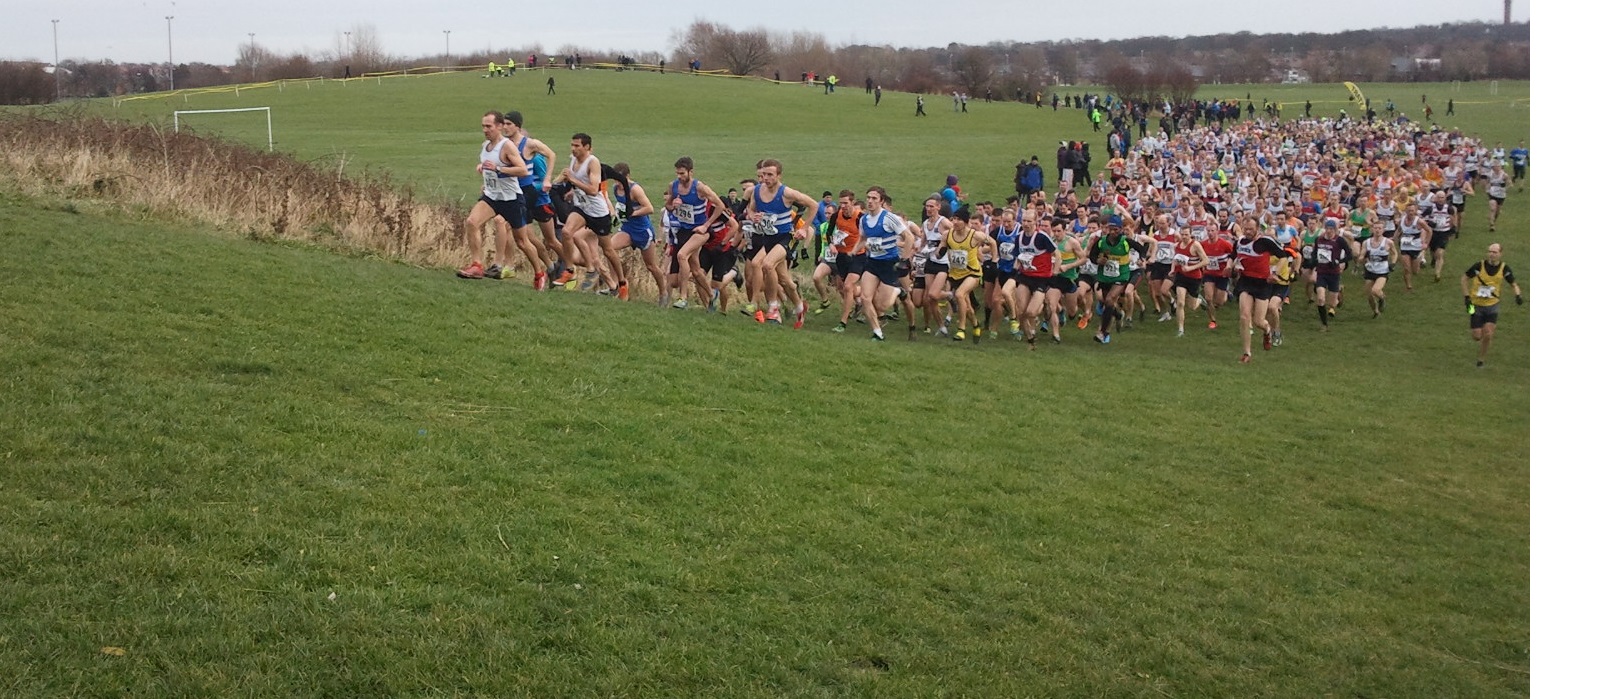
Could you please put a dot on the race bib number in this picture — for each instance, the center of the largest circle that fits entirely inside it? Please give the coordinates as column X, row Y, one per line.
column 1497, row 191
column 767, row 225
column 1090, row 268
column 684, row 213
column 958, row 258
column 1485, row 292
column 1008, row 251
column 1181, row 260
column 918, row 262
column 1324, row 256
column 1026, row 259
column 1164, row 252
column 829, row 255
column 878, row 247
column 1111, row 268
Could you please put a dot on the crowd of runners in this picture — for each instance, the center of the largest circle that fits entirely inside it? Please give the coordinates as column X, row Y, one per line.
column 1179, row 227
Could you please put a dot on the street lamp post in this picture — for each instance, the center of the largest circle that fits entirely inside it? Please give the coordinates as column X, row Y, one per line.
column 447, row 49
column 172, row 77
column 56, row 67
column 253, row 57
column 348, row 47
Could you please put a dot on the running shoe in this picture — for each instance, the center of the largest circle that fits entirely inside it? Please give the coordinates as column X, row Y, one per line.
column 775, row 317
column 1083, row 321
column 1211, row 325
column 590, row 279
column 472, row 271
column 664, row 301
column 493, row 272
column 541, row 281
column 911, row 332
column 680, row 303
column 715, row 295
column 826, row 303
column 876, row 337
column 749, row 309
column 1056, row 339
column 1105, row 339
column 606, row 292
column 977, row 333
column 1266, row 341
column 800, row 315
column 1016, row 328
column 960, row 336
column 1244, row 358
column 506, row 273
column 840, row 328
column 1164, row 318
column 761, row 316
column 622, row 291
column 566, row 276
column 1180, row 332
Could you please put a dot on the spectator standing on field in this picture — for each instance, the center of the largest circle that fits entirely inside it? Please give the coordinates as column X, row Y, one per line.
column 1063, row 163
column 920, row 112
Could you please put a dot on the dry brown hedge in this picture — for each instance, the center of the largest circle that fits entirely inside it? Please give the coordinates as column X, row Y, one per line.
column 142, row 168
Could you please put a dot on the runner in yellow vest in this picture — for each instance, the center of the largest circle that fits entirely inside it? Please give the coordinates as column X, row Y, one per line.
column 1481, row 291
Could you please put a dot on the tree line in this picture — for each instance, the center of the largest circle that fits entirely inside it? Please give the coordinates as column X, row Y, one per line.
column 1170, row 66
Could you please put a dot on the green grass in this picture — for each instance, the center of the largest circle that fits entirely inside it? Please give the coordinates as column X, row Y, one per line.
column 424, row 130
column 202, row 438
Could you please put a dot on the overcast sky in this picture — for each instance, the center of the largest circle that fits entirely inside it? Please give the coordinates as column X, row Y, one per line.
column 211, row 32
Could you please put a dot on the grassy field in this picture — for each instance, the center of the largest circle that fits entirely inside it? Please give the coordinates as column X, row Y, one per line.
column 425, row 129
column 236, row 468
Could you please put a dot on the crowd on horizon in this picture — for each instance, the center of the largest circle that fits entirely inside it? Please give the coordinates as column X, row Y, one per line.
column 1207, row 209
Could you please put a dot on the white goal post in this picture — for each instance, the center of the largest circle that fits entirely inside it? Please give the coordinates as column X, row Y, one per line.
column 268, row 110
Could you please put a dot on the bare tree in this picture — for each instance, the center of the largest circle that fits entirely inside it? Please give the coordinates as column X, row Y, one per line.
column 25, row 82
column 743, row 52
column 802, row 51
column 1125, row 81
column 694, row 41
column 1030, row 64
column 365, row 50
column 973, row 69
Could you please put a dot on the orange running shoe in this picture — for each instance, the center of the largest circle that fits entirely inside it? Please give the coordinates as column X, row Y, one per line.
column 622, row 291
column 761, row 316
column 472, row 271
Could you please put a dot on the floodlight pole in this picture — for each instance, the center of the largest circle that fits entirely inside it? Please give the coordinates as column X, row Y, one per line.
column 253, row 59
column 55, row 39
column 348, row 47
column 447, row 49
column 172, row 76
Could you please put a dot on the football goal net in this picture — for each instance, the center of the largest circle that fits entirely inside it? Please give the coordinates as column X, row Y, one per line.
column 268, row 110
